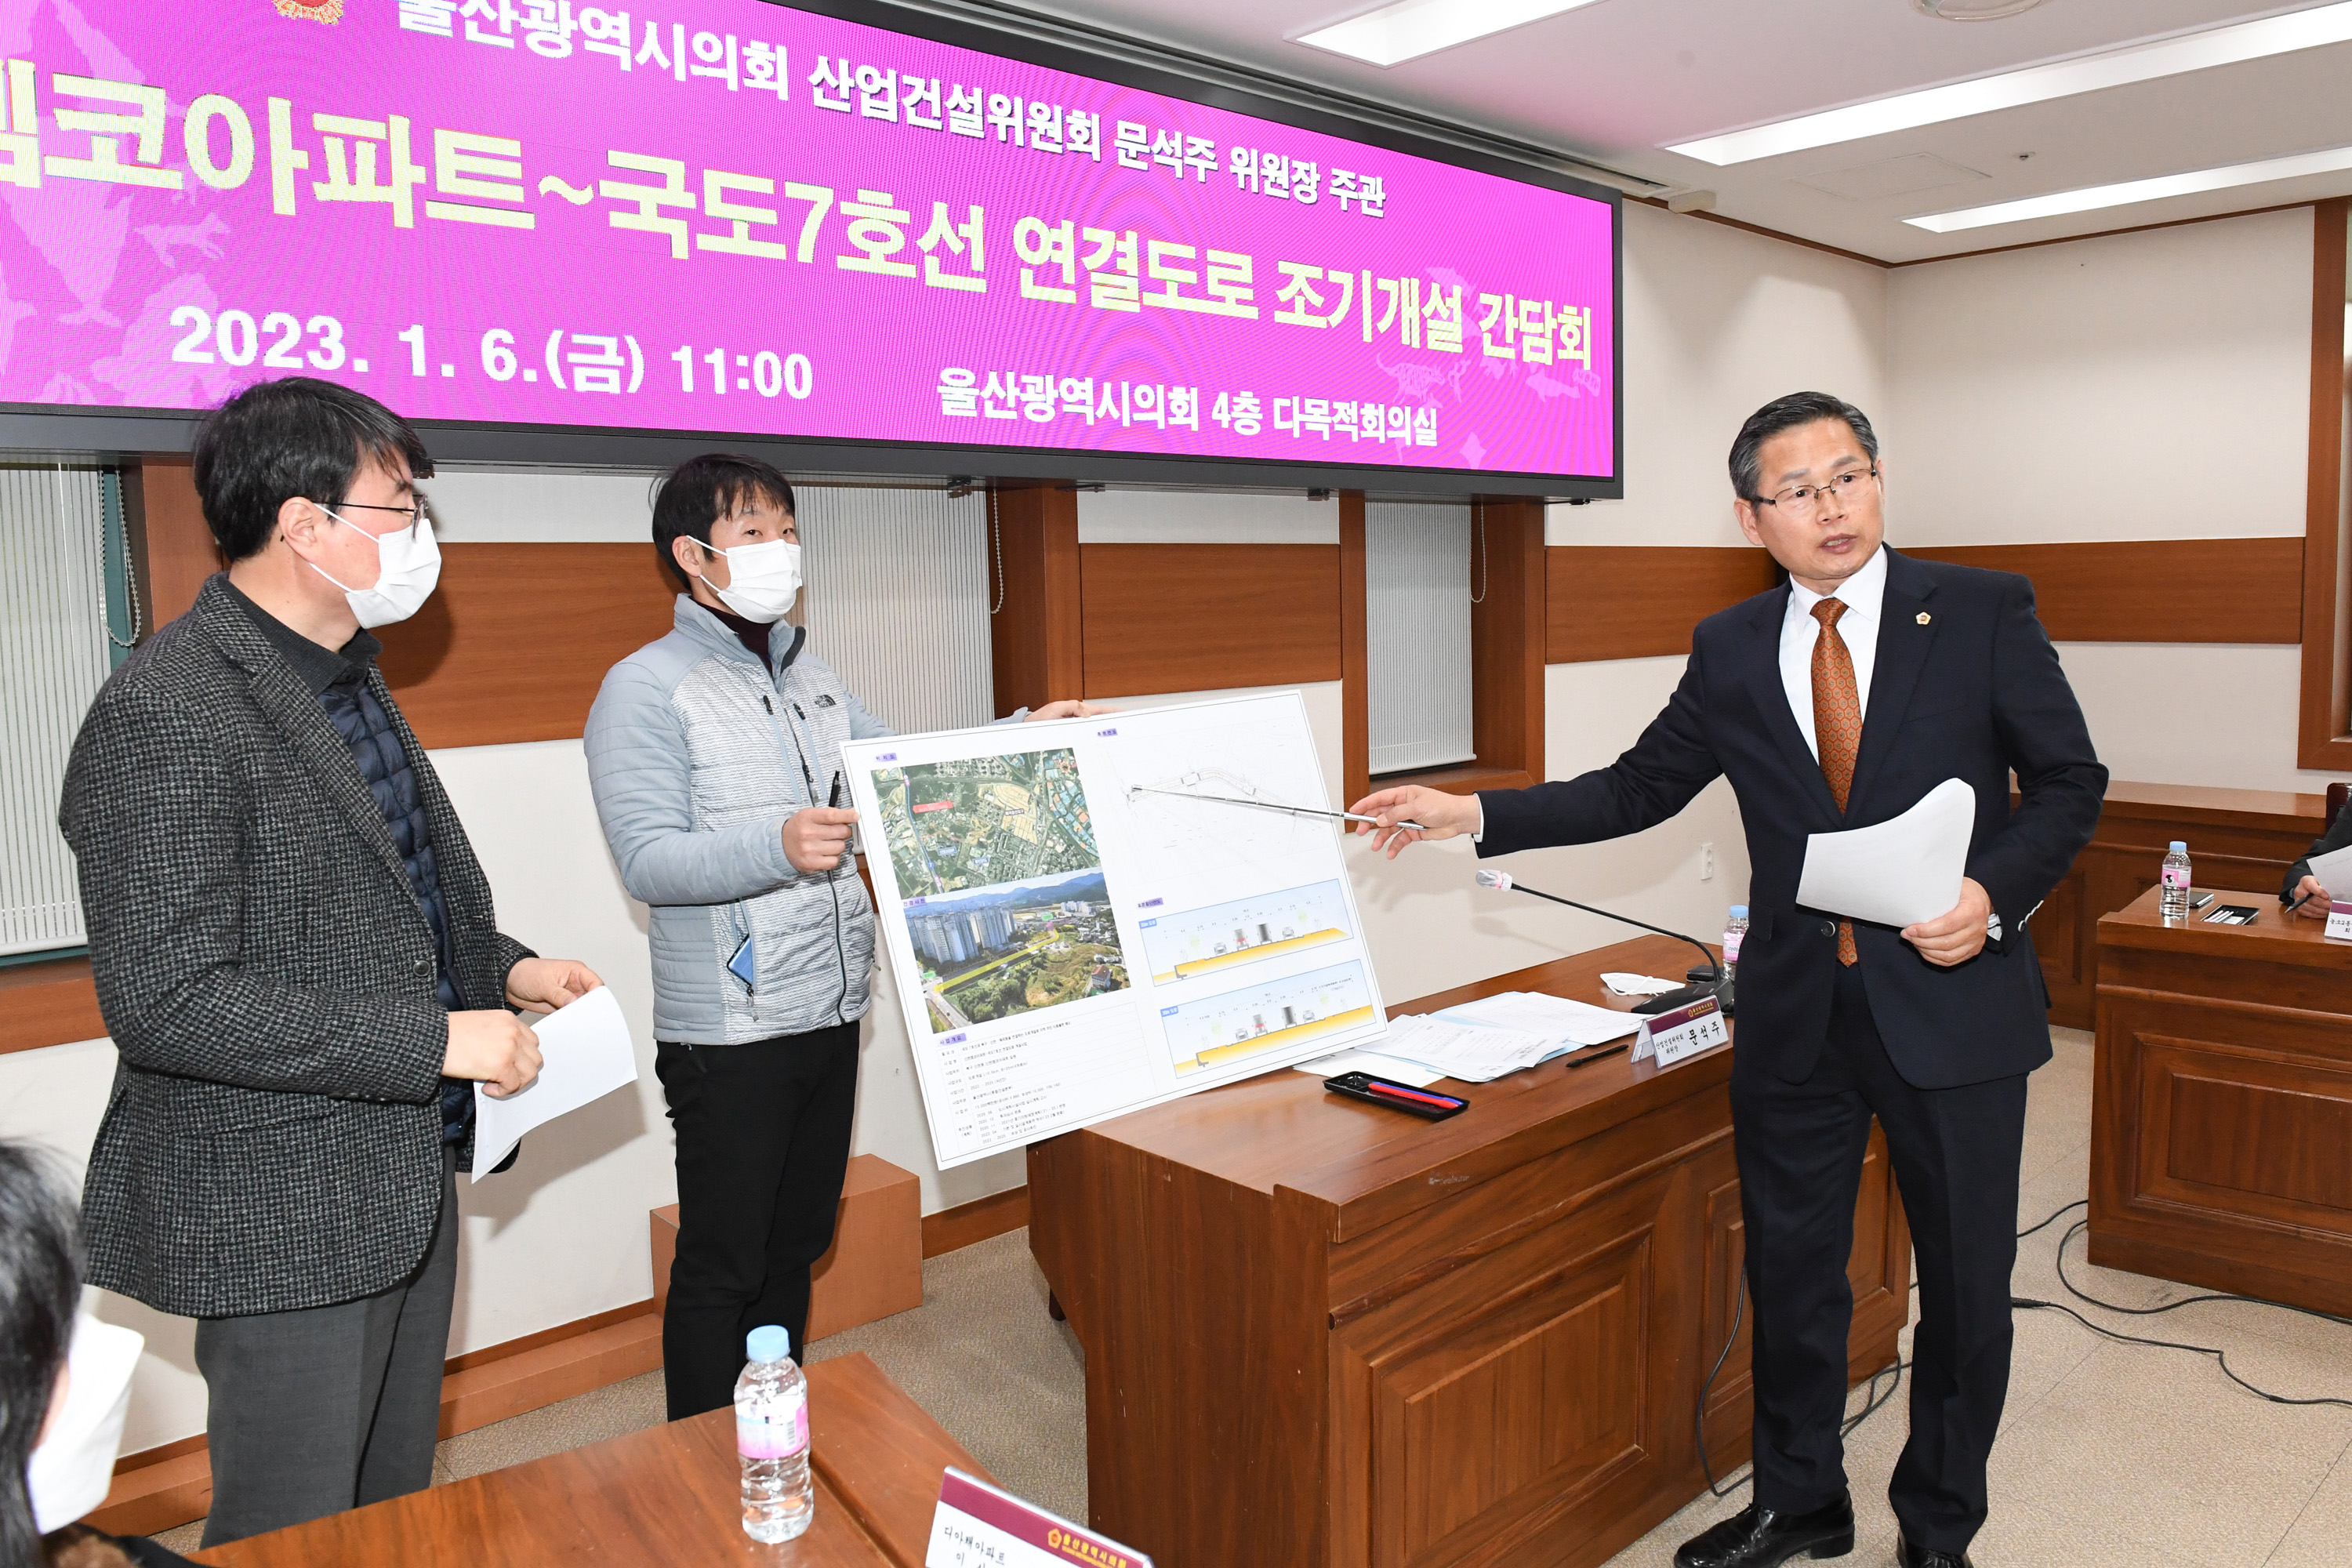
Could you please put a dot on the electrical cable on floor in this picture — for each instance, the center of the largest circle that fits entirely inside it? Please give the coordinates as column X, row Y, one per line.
column 1875, row 1400
column 2220, row 1356
column 2045, row 1224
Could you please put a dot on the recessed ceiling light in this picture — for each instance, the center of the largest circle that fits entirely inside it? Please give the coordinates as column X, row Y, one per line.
column 1408, row 29
column 1975, row 10
column 2092, row 197
column 2035, row 84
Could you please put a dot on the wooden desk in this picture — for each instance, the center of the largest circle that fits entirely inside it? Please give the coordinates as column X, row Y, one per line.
column 2240, row 839
column 2221, row 1114
column 667, row 1495
column 1325, row 1335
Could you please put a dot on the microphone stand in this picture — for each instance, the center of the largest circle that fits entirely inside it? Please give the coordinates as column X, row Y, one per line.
column 1716, row 984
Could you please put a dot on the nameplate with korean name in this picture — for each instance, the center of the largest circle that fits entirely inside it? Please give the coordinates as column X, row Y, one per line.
column 1673, row 1038
column 977, row 1526
column 2339, row 921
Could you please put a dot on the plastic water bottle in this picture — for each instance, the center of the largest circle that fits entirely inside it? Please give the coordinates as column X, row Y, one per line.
column 1734, row 930
column 772, row 1436
column 2174, row 904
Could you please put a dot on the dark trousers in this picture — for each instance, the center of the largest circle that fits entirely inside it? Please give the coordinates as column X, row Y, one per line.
column 1956, row 1153
column 324, row 1408
column 762, row 1145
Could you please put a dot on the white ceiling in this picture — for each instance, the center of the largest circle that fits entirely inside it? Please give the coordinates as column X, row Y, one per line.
column 1611, row 81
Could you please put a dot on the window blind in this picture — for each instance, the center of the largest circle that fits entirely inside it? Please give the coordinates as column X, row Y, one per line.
column 53, row 659
column 897, row 601
column 1417, row 626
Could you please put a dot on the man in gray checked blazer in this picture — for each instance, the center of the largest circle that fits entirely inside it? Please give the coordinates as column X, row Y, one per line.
column 296, row 956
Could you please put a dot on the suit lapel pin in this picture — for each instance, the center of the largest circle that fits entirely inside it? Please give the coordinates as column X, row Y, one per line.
column 1924, row 617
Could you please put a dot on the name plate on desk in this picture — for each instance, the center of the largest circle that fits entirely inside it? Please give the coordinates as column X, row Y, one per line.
column 1675, row 1038
column 2339, row 921
column 977, row 1526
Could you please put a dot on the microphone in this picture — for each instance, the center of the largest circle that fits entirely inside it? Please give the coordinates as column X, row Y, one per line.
column 1714, row 982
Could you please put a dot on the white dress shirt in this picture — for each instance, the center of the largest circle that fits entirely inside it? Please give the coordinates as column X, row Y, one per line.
column 1864, row 593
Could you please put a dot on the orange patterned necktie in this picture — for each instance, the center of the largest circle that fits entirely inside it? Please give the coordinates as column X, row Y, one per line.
column 1837, row 724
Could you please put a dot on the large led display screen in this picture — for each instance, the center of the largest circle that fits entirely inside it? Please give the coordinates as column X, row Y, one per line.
column 731, row 215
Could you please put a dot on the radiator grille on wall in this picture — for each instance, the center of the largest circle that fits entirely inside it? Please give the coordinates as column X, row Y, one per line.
column 1417, row 626
column 53, row 659
column 897, row 601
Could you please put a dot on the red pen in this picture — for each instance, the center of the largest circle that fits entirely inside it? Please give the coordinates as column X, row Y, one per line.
column 1395, row 1093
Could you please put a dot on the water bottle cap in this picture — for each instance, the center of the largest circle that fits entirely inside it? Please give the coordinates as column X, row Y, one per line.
column 770, row 1344
column 2180, row 847
column 1739, row 912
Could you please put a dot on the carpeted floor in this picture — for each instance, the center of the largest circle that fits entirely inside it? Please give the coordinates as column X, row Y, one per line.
column 2110, row 1454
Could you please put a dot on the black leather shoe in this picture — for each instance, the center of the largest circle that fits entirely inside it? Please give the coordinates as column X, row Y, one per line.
column 1760, row 1537
column 1909, row 1556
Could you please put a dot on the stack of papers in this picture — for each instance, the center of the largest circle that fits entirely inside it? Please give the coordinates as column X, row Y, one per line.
column 1569, row 1023
column 1473, row 1053
column 1481, row 1041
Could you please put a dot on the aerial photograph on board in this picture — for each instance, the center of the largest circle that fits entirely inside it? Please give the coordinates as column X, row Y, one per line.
column 1001, row 885
column 984, row 821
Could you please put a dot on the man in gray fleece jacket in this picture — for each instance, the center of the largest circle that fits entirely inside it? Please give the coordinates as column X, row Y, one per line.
column 715, row 755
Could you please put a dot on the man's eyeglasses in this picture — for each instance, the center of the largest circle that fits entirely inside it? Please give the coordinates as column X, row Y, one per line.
column 1801, row 502
column 411, row 515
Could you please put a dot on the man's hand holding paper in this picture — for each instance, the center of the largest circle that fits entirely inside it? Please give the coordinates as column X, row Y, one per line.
column 1909, row 871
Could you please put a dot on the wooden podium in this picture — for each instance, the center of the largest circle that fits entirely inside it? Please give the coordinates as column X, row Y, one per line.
column 2221, row 1114
column 1326, row 1335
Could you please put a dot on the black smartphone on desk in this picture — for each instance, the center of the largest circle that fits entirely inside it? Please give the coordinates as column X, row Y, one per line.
column 1423, row 1102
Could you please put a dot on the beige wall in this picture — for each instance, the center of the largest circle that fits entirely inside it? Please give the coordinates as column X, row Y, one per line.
column 1717, row 322
column 2148, row 385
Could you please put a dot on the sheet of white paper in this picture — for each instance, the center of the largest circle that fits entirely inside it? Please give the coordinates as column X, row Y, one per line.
column 1568, row 1024
column 585, row 1054
column 1899, row 872
column 1396, row 1069
column 1625, row 984
column 2333, row 870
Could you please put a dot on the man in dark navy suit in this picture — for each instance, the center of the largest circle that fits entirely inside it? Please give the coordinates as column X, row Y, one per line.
column 1836, row 701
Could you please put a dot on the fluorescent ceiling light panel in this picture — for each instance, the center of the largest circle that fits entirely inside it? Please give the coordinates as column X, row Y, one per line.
column 2092, row 197
column 1411, row 29
column 2036, row 84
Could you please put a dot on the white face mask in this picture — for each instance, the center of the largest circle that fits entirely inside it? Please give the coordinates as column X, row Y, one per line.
column 74, row 1465
column 408, row 565
column 763, row 579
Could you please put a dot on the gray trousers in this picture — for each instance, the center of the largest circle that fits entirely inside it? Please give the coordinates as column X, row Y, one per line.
column 326, row 1409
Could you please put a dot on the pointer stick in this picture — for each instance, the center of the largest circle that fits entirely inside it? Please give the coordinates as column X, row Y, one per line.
column 1269, row 805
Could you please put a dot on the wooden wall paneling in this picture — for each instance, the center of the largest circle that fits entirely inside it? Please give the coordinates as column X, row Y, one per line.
column 1355, row 654
column 52, row 1003
column 515, row 642
column 2321, row 708
column 2203, row 590
column 1506, row 646
column 1034, row 640
column 1641, row 601
column 1202, row 617
column 175, row 549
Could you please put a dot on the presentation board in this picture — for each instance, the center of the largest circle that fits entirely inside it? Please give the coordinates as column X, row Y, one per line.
column 732, row 217
column 1088, row 916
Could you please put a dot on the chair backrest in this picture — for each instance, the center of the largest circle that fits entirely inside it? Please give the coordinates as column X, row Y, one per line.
column 2336, row 794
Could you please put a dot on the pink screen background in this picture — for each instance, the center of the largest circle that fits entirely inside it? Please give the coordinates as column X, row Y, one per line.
column 117, row 289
